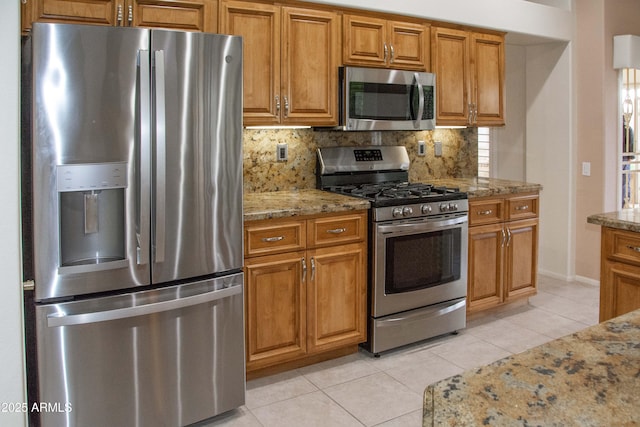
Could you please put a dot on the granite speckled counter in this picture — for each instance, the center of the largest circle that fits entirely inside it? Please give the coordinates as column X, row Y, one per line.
column 626, row 219
column 590, row 378
column 484, row 187
column 282, row 204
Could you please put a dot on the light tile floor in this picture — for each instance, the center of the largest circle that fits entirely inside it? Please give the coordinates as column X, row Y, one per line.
column 360, row 390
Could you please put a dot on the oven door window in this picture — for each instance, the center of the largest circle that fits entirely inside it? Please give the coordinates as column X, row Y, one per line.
column 422, row 260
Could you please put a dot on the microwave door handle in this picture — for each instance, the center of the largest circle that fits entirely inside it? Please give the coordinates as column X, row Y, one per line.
column 144, row 124
column 418, row 119
column 161, row 158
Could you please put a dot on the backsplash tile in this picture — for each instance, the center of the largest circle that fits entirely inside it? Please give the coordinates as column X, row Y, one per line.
column 263, row 173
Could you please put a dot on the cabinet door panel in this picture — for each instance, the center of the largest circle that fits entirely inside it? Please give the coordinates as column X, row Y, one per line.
column 522, row 258
column 337, row 297
column 488, row 78
column 364, row 39
column 259, row 25
column 450, row 52
column 310, row 67
column 485, row 266
column 188, row 15
column 276, row 309
column 102, row 12
column 410, row 46
column 621, row 291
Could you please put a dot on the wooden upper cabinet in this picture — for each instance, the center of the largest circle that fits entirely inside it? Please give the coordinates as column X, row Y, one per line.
column 291, row 58
column 259, row 25
column 377, row 42
column 187, row 15
column 309, row 73
column 192, row 15
column 451, row 64
column 487, row 83
column 469, row 68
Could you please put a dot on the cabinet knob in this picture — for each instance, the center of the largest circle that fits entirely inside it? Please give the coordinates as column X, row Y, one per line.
column 393, row 54
column 273, row 239
column 487, row 212
column 286, row 107
column 522, row 208
column 119, row 15
column 130, row 17
column 633, row 248
column 386, row 52
column 277, row 105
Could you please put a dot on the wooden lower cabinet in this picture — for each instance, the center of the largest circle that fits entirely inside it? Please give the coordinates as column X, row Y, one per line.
column 301, row 303
column 620, row 273
column 503, row 251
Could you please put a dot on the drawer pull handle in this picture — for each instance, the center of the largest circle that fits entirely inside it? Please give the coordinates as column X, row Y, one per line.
column 487, row 212
column 522, row 208
column 633, row 248
column 272, row 239
column 337, row 230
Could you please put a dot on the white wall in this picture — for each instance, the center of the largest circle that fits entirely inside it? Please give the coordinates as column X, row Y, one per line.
column 12, row 376
column 515, row 16
column 550, row 153
column 509, row 142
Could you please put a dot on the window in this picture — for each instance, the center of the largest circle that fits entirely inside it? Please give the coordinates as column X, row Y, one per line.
column 484, row 152
column 629, row 155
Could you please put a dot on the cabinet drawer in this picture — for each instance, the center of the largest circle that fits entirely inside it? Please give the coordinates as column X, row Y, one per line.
column 261, row 238
column 337, row 230
column 486, row 211
column 522, row 207
column 621, row 245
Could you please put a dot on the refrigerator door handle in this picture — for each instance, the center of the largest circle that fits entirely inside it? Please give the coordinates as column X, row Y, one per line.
column 61, row 319
column 144, row 218
column 161, row 156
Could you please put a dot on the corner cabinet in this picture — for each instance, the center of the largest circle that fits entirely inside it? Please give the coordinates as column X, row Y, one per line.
column 619, row 273
column 188, row 15
column 291, row 58
column 503, row 250
column 305, row 292
column 469, row 68
column 377, row 42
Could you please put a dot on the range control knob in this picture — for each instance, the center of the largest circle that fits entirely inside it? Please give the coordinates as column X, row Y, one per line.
column 426, row 209
column 407, row 211
column 396, row 212
column 453, row 206
column 444, row 207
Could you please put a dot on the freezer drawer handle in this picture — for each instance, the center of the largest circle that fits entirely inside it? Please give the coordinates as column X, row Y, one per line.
column 57, row 319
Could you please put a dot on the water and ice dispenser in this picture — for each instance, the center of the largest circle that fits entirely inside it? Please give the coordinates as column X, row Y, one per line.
column 92, row 216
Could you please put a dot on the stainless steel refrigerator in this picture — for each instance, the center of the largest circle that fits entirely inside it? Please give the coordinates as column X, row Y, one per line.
column 137, row 225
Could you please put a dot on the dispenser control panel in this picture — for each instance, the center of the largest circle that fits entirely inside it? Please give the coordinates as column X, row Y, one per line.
column 92, row 176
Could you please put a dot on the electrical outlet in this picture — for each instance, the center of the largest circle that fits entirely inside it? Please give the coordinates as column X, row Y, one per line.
column 586, row 168
column 437, row 146
column 421, row 148
column 282, row 152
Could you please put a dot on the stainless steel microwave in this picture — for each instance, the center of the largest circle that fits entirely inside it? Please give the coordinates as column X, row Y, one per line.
column 383, row 99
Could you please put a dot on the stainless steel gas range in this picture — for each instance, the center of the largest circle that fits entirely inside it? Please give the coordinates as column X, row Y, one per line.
column 417, row 244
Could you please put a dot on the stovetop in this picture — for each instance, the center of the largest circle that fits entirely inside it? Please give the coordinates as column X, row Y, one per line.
column 398, row 193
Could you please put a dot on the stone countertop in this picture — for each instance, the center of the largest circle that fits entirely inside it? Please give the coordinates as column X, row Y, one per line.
column 283, row 204
column 626, row 219
column 483, row 187
column 590, row 378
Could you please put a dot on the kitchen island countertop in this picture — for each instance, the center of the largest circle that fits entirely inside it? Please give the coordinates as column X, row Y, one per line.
column 625, row 219
column 590, row 378
column 282, row 204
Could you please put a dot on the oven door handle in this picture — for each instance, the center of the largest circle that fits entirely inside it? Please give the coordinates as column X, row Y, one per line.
column 427, row 225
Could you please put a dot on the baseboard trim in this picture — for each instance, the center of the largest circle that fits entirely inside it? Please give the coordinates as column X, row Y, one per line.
column 587, row 280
